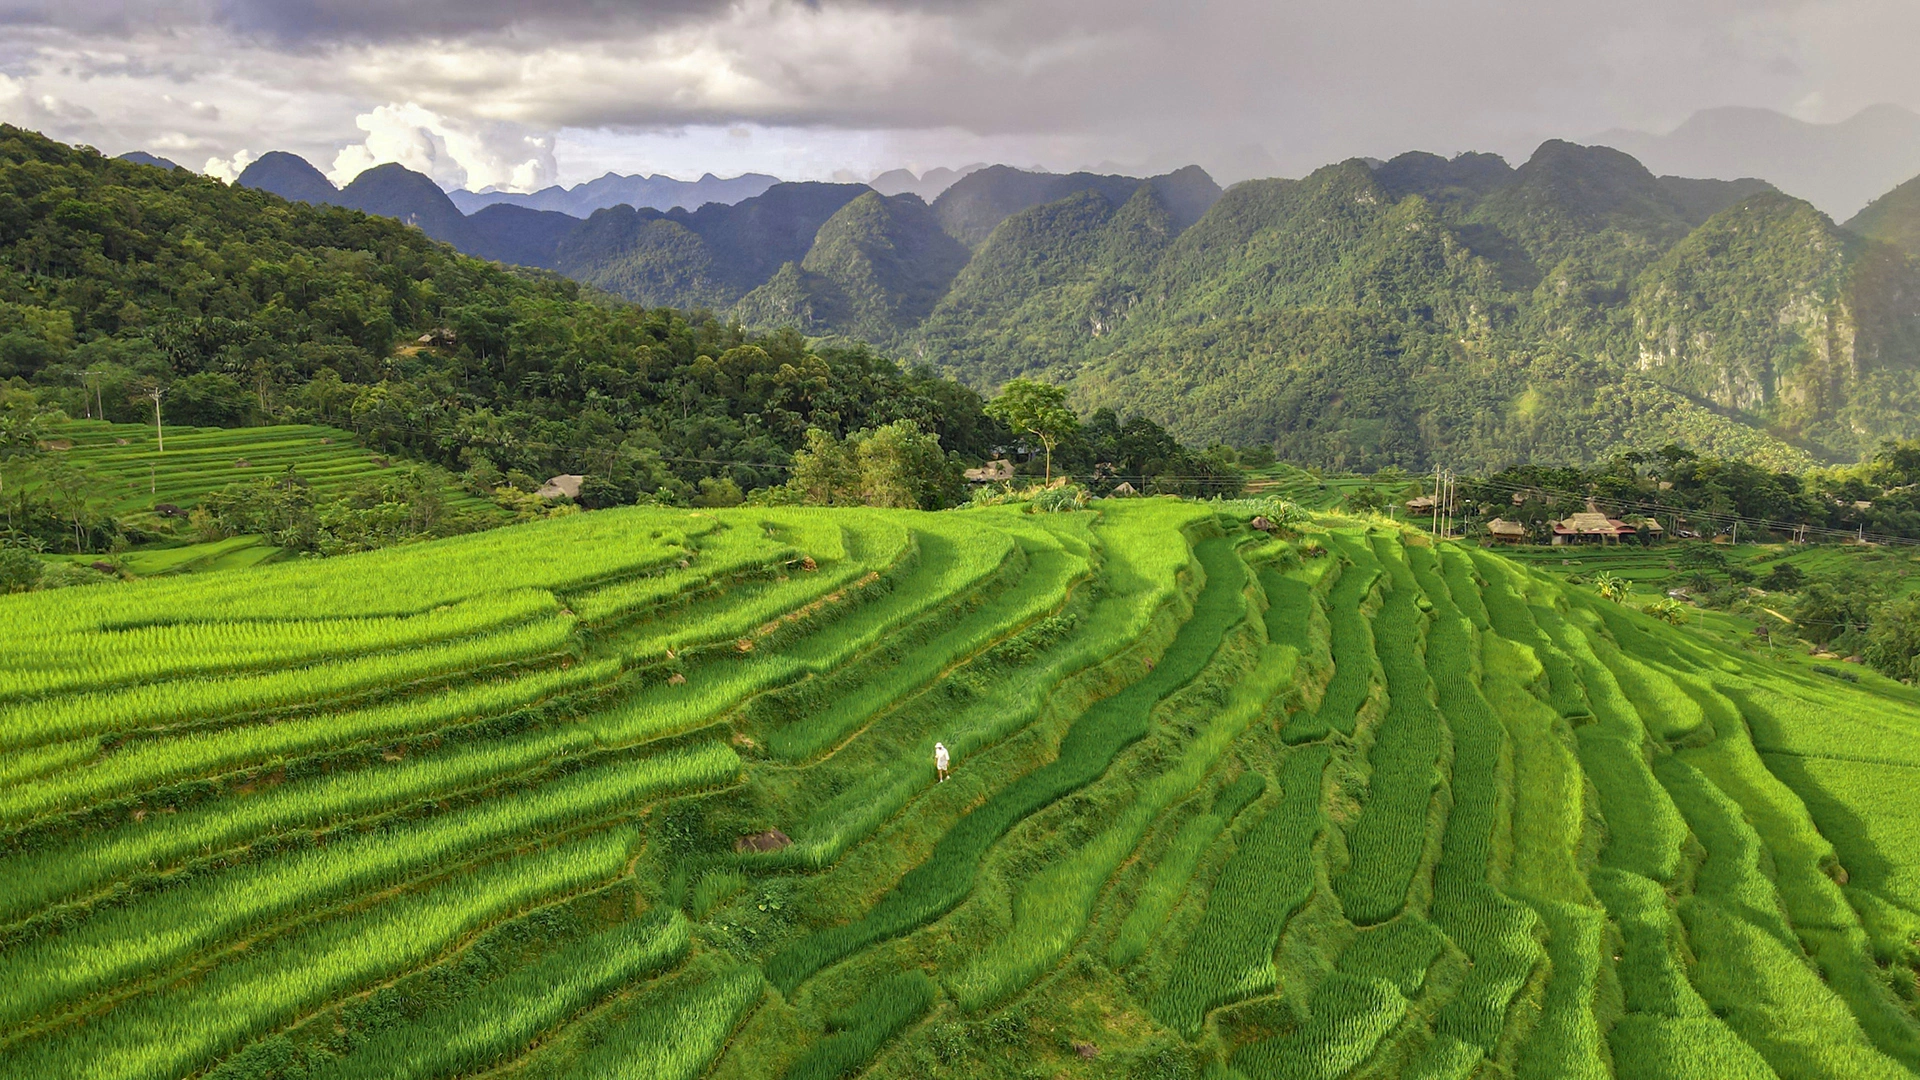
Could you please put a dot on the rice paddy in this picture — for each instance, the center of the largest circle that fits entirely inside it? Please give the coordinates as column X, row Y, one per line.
column 651, row 793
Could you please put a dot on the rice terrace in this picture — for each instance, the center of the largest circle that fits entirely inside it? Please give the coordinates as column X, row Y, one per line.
column 649, row 793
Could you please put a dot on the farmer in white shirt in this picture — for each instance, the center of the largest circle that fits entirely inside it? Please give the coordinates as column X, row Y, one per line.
column 940, row 760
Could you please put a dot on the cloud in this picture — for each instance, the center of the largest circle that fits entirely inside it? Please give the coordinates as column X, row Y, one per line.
column 474, row 91
column 454, row 153
column 229, row 168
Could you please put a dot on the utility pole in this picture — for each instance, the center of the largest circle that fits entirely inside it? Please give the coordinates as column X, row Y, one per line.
column 159, row 436
column 1434, row 529
column 84, row 397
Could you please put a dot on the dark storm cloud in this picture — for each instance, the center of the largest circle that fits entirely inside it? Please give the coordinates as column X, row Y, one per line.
column 331, row 21
column 1291, row 82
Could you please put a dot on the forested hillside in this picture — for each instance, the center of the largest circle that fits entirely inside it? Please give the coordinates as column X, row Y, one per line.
column 1425, row 310
column 119, row 279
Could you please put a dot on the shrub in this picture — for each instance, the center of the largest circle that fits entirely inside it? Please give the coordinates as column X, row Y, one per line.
column 1893, row 645
column 1060, row 500
column 1667, row 610
column 20, row 570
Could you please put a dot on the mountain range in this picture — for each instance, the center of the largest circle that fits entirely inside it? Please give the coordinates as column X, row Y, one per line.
column 1837, row 167
column 1407, row 311
column 613, row 189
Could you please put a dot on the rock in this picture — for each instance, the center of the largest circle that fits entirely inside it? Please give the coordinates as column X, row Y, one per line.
column 1263, row 524
column 771, row 840
column 566, row 484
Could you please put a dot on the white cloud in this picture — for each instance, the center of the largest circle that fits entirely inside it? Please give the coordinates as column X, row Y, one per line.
column 454, row 153
column 229, row 168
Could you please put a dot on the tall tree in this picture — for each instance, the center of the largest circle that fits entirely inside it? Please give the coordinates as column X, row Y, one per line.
column 1036, row 409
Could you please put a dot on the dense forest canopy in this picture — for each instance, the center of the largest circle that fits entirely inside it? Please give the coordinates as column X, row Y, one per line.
column 120, row 280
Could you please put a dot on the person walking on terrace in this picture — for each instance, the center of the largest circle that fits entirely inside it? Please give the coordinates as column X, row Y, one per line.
column 940, row 760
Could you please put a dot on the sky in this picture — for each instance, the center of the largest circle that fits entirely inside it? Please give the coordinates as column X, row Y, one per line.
column 490, row 93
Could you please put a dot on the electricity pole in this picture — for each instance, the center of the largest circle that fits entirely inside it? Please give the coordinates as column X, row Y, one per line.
column 159, row 436
column 97, row 390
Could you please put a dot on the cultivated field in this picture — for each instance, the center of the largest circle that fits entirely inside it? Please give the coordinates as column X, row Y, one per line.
column 650, row 793
column 136, row 474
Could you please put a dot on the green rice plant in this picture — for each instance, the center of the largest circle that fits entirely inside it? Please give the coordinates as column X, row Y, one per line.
column 1353, row 1009
column 1669, row 1048
column 122, row 944
column 329, row 801
column 845, row 709
column 1508, row 614
column 943, row 880
column 32, row 723
column 1352, row 646
column 674, row 1037
column 715, row 887
column 1566, row 1042
column 1669, row 714
column 1800, row 862
column 1749, row 964
column 860, row 1031
column 18, row 769
column 1644, row 830
column 863, row 547
column 1270, row 875
column 726, row 549
column 1168, row 881
column 1496, row 931
column 146, row 764
column 498, row 1021
column 178, row 1029
column 999, row 692
column 558, row 555
column 1290, row 606
column 721, row 686
column 1164, row 887
column 1389, row 838
column 100, row 659
column 1053, row 908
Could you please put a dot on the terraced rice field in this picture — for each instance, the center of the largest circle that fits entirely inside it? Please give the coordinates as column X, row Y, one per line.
column 650, row 794
column 136, row 474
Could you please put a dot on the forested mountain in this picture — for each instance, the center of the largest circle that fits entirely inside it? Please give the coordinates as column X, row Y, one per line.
column 1403, row 312
column 977, row 202
column 291, row 177
column 141, row 157
column 1893, row 218
column 879, row 263
column 117, row 279
column 1424, row 309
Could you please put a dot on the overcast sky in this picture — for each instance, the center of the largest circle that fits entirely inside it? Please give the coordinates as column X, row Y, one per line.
column 520, row 95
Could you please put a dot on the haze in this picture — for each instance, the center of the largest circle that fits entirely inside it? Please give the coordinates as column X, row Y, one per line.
column 518, row 96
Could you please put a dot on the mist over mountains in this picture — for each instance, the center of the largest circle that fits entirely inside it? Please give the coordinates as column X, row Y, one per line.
column 1837, row 167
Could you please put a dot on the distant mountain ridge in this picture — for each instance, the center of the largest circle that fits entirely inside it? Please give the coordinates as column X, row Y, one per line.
column 1838, row 167
column 141, row 157
column 927, row 185
column 613, row 189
